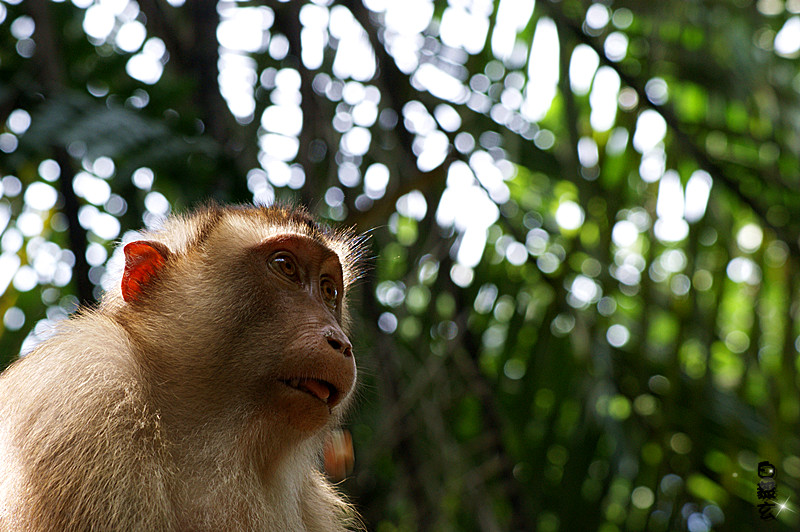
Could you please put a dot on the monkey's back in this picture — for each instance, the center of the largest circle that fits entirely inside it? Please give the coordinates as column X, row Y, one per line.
column 73, row 424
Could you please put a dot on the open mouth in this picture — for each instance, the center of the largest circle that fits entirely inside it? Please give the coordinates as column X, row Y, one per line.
column 322, row 390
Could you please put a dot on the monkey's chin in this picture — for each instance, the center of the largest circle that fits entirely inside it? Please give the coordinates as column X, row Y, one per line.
column 302, row 409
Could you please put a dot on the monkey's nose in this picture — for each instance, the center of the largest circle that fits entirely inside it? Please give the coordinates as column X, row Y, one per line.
column 337, row 340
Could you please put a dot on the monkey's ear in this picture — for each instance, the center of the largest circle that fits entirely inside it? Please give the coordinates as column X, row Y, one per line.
column 144, row 259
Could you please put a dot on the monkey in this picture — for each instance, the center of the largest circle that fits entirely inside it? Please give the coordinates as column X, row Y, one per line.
column 198, row 394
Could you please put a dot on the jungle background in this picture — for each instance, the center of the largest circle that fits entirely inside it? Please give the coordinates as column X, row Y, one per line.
column 582, row 306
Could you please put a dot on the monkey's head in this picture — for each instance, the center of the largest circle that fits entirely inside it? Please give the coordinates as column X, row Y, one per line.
column 242, row 312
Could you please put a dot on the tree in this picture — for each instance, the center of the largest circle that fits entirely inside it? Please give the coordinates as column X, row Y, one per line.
column 582, row 311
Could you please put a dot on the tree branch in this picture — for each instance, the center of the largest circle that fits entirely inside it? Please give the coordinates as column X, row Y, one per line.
column 666, row 111
column 52, row 76
column 194, row 54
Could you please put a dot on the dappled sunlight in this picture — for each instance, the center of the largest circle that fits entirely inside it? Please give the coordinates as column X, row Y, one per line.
column 582, row 215
column 543, row 68
column 569, row 215
column 603, row 99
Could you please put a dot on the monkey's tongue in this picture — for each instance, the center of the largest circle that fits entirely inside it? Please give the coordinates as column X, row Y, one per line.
column 316, row 388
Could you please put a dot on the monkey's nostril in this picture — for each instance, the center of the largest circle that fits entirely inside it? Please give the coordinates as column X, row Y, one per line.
column 334, row 344
column 339, row 342
column 344, row 349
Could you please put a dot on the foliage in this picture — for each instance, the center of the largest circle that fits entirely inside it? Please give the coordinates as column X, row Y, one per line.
column 583, row 308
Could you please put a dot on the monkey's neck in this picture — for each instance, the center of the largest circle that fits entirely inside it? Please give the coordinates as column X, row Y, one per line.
column 268, row 483
column 260, row 446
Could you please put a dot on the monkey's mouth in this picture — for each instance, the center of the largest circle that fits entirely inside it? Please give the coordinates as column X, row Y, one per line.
column 322, row 390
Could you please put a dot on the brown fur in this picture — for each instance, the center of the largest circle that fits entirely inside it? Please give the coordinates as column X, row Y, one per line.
column 167, row 413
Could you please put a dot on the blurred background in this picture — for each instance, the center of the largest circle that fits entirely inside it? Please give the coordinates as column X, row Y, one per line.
column 582, row 311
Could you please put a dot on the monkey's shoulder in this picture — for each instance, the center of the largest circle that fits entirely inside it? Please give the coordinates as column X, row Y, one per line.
column 83, row 372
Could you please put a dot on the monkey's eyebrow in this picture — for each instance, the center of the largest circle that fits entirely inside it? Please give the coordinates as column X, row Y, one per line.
column 293, row 241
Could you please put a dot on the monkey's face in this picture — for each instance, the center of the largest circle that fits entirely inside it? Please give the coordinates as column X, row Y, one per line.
column 245, row 324
column 306, row 369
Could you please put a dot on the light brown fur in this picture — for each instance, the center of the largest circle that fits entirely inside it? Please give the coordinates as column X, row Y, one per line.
column 167, row 412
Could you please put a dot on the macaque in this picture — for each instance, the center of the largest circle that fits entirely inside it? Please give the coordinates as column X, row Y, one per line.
column 199, row 393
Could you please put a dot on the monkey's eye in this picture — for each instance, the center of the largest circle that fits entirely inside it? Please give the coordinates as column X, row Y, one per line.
column 329, row 292
column 285, row 265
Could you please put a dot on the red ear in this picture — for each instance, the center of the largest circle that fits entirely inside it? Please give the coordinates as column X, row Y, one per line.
column 143, row 260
